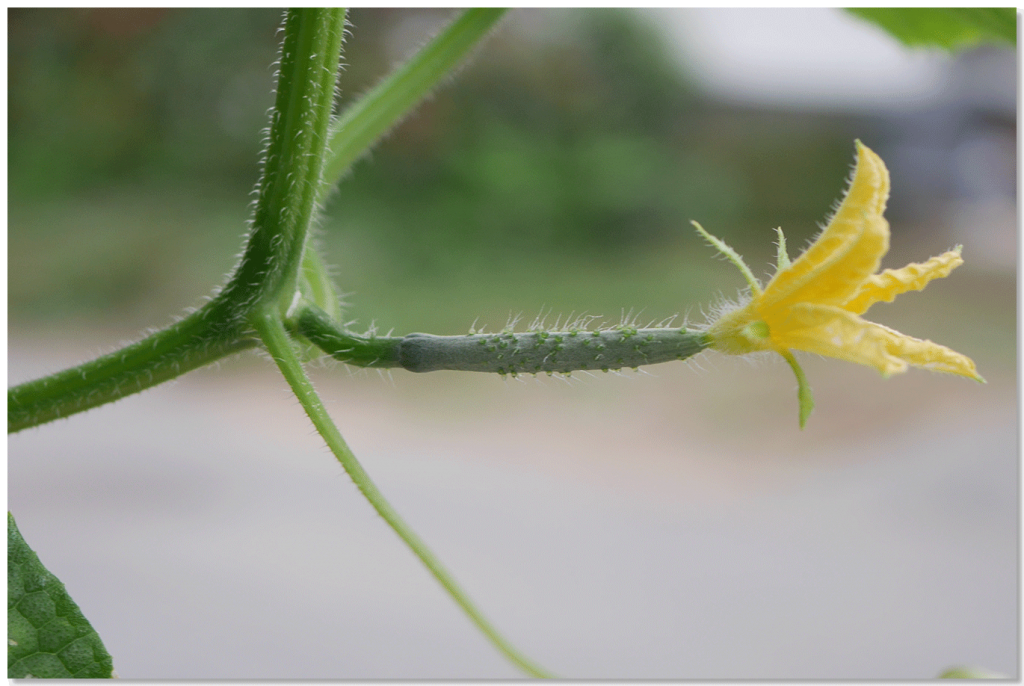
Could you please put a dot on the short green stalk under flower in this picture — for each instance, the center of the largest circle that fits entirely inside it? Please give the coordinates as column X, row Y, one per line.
column 814, row 303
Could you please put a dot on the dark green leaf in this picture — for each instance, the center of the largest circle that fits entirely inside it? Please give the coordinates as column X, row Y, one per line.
column 47, row 636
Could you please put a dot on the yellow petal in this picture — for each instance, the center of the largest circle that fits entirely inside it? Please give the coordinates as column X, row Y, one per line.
column 886, row 286
column 835, row 332
column 933, row 357
column 850, row 248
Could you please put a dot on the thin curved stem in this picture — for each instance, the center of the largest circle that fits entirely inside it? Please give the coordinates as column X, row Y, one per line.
column 271, row 329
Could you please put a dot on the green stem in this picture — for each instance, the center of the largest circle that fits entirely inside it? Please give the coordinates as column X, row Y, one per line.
column 271, row 329
column 269, row 269
column 188, row 344
column 294, row 181
column 362, row 124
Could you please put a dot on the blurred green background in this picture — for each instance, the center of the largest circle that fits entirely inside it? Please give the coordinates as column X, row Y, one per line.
column 558, row 172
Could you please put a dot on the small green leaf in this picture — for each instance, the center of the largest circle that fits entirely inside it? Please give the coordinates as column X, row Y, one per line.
column 47, row 636
column 969, row 673
column 951, row 28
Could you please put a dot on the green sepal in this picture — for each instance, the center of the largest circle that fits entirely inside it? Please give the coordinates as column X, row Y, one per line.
column 47, row 635
column 782, row 260
column 731, row 255
column 803, row 391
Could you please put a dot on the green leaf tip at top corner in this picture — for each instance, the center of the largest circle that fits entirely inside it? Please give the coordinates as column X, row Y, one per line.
column 47, row 635
column 950, row 28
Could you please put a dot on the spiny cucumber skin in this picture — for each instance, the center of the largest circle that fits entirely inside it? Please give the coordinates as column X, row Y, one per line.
column 505, row 353
column 534, row 352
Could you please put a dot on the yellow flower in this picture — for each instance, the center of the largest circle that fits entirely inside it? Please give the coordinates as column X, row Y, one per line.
column 814, row 303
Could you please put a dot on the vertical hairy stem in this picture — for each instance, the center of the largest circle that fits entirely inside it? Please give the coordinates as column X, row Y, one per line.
column 293, row 167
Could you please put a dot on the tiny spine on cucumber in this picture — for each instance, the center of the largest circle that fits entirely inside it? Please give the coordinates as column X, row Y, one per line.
column 506, row 352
